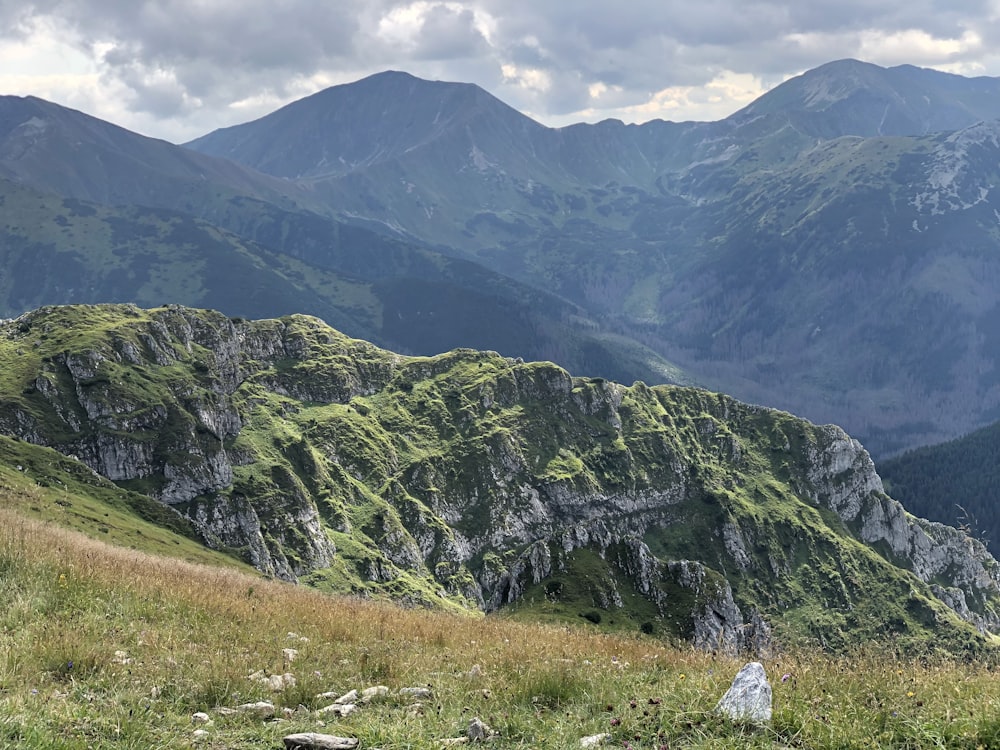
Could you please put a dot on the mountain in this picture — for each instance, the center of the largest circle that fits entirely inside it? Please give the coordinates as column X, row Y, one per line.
column 829, row 249
column 956, row 482
column 94, row 213
column 471, row 480
column 849, row 97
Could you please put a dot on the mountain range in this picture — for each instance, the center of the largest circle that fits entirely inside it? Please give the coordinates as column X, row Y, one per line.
column 828, row 250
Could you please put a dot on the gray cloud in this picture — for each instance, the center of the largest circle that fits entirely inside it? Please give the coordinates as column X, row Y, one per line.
column 188, row 61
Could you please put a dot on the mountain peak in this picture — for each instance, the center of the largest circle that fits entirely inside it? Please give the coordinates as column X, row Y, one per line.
column 851, row 97
column 344, row 127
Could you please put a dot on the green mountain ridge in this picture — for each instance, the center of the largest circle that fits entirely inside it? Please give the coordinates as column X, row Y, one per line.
column 470, row 480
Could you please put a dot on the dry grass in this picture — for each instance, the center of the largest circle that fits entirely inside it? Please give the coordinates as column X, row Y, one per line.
column 102, row 647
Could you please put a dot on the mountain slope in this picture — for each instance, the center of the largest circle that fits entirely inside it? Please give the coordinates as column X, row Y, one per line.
column 473, row 480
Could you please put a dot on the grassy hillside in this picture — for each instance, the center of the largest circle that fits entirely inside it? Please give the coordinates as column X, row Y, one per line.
column 104, row 647
column 470, row 480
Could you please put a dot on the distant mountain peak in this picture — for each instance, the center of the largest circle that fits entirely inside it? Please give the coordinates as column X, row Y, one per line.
column 851, row 97
column 354, row 125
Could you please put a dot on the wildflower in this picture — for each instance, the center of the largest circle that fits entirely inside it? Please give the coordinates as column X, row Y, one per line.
column 62, row 581
column 681, row 677
column 615, row 721
column 786, row 677
column 910, row 693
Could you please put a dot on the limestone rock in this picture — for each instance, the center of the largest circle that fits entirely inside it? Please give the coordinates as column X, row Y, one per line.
column 315, row 741
column 594, row 740
column 262, row 709
column 341, row 710
column 374, row 693
column 478, row 730
column 749, row 697
column 416, row 693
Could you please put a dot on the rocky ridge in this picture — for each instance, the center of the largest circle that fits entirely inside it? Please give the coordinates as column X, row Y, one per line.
column 474, row 480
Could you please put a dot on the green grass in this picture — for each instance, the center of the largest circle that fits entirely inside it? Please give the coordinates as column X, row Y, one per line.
column 103, row 647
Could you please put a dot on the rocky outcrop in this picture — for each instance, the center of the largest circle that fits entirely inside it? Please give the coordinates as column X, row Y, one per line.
column 478, row 480
column 842, row 477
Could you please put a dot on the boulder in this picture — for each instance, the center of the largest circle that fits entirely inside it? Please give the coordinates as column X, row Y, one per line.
column 749, row 697
column 315, row 741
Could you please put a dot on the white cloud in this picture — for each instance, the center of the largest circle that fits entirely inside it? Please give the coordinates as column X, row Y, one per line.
column 178, row 68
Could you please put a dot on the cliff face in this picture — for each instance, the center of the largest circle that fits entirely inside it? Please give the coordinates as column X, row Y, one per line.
column 473, row 480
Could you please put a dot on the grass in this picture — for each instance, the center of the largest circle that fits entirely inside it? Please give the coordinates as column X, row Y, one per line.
column 105, row 647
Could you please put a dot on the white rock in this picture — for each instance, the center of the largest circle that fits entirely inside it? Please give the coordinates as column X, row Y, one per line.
column 289, row 654
column 201, row 718
column 314, row 741
column 749, row 697
column 374, row 693
column 122, row 657
column 594, row 740
column 351, row 697
column 199, row 734
column 263, row 709
column 337, row 709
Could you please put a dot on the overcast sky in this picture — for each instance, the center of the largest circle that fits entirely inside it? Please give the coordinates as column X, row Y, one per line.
column 176, row 69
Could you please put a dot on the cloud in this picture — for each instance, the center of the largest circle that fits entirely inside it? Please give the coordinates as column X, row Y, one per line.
column 177, row 68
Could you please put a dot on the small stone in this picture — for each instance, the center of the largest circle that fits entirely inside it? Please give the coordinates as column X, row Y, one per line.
column 263, row 709
column 199, row 734
column 475, row 671
column 122, row 657
column 749, row 697
column 594, row 740
column 351, row 697
column 327, row 696
column 315, row 741
column 478, row 730
column 371, row 694
column 338, row 709
column 416, row 693
column 278, row 682
column 289, row 654
column 201, row 718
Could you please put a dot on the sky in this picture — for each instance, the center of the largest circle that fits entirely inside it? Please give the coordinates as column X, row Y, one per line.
column 177, row 69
